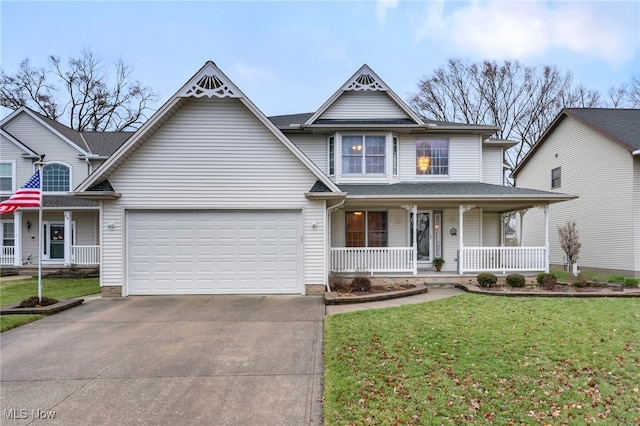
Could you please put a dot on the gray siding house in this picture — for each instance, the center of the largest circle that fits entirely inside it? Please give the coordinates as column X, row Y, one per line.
column 595, row 154
column 210, row 196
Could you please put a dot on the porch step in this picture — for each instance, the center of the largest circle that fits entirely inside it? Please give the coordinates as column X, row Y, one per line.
column 440, row 284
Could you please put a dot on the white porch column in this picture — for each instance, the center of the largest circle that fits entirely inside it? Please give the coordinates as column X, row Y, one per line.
column 521, row 213
column 545, row 209
column 460, row 237
column 414, row 209
column 17, row 238
column 67, row 238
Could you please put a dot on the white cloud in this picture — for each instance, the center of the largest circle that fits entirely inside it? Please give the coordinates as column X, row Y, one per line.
column 382, row 6
column 530, row 29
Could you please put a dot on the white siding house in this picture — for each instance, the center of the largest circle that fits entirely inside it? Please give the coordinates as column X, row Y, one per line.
column 595, row 154
column 69, row 226
column 210, row 196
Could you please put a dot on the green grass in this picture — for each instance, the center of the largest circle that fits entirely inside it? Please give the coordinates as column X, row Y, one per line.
column 15, row 291
column 485, row 360
column 564, row 276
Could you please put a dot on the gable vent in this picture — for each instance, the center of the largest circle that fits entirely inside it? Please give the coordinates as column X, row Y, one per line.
column 365, row 82
column 209, row 85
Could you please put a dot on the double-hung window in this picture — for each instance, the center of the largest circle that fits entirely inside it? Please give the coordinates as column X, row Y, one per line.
column 363, row 154
column 556, row 177
column 432, row 157
column 6, row 177
column 366, row 229
column 8, row 234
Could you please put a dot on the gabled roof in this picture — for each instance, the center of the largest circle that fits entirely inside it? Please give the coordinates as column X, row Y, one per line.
column 90, row 144
column 621, row 126
column 27, row 151
column 364, row 80
column 209, row 81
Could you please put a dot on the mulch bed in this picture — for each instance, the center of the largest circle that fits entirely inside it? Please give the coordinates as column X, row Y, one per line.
column 377, row 289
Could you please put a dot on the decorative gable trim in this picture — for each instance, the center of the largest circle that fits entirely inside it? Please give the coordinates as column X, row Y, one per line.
column 209, row 82
column 365, row 79
column 169, row 108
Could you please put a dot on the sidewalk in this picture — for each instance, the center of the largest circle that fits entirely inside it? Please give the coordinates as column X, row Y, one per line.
column 432, row 294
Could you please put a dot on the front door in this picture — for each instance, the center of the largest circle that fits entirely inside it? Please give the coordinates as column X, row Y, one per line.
column 423, row 237
column 54, row 243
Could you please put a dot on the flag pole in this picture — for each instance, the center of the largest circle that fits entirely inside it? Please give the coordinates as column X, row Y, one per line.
column 40, row 233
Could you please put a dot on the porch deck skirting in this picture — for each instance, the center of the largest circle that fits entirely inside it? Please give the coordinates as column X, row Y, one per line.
column 372, row 259
column 473, row 259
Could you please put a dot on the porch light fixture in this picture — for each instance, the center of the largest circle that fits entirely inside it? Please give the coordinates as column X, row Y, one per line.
column 28, row 226
column 357, row 147
column 423, row 164
column 358, row 213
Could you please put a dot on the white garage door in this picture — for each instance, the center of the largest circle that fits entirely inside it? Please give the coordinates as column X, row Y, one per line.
column 214, row 252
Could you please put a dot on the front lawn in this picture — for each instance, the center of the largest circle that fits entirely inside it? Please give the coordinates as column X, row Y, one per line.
column 15, row 291
column 485, row 360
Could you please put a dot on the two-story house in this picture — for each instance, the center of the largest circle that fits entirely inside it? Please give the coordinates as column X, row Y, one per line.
column 70, row 225
column 595, row 154
column 211, row 196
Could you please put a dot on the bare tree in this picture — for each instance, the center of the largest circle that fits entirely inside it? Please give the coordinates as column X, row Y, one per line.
column 522, row 100
column 90, row 95
column 570, row 242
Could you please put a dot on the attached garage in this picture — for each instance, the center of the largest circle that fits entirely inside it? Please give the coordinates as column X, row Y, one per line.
column 214, row 252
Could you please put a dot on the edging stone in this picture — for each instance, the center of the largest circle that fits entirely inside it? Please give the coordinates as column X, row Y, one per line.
column 43, row 310
column 332, row 298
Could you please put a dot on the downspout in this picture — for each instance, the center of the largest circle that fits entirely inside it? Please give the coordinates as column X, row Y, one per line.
column 329, row 211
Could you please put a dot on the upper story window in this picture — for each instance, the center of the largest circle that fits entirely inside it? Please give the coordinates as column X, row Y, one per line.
column 363, row 154
column 6, row 177
column 432, row 157
column 332, row 155
column 555, row 177
column 396, row 148
column 56, row 178
column 366, row 229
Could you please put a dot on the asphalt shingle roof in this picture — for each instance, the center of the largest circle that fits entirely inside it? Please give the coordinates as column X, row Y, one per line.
column 105, row 143
column 620, row 124
column 440, row 188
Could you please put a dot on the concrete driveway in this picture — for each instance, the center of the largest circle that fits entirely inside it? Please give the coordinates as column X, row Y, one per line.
column 205, row 360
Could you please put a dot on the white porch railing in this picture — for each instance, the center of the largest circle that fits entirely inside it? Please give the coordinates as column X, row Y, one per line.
column 85, row 255
column 502, row 259
column 372, row 259
column 7, row 255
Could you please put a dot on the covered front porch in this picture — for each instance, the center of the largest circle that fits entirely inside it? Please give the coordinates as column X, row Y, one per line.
column 393, row 235
column 70, row 238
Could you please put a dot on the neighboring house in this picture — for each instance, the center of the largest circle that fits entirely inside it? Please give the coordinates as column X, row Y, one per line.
column 210, row 196
column 595, row 154
column 70, row 225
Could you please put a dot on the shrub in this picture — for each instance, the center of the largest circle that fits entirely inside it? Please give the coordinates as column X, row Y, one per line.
column 515, row 280
column 548, row 282
column 338, row 282
column 632, row 282
column 361, row 283
column 542, row 275
column 579, row 281
column 34, row 302
column 486, row 279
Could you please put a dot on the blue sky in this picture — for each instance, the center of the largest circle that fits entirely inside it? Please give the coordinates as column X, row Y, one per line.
column 290, row 56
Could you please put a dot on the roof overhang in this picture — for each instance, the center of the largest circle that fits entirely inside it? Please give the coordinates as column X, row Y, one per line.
column 97, row 195
column 325, row 195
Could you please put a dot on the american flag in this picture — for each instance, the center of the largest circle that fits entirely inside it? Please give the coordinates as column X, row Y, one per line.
column 30, row 195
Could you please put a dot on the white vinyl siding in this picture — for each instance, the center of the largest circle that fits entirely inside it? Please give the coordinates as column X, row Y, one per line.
column 492, row 165
column 42, row 140
column 212, row 154
column 314, row 147
column 636, row 213
column 464, row 159
column 364, row 105
column 490, row 229
column 600, row 172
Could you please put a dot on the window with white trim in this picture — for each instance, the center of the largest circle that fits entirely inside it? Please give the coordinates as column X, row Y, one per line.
column 363, row 154
column 332, row 155
column 366, row 229
column 396, row 148
column 556, row 175
column 56, row 178
column 8, row 234
column 432, row 157
column 6, row 177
